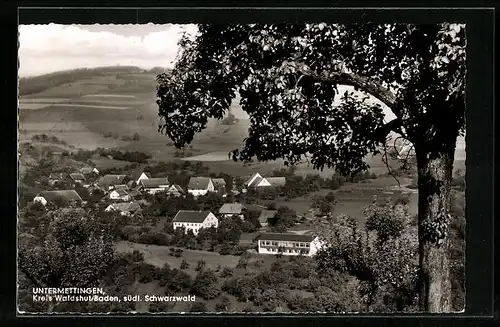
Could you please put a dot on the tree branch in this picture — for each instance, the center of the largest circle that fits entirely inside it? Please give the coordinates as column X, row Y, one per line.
column 367, row 85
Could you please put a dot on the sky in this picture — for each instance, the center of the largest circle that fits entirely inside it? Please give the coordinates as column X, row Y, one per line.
column 48, row 48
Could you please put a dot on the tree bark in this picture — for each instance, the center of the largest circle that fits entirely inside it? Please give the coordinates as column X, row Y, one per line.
column 434, row 186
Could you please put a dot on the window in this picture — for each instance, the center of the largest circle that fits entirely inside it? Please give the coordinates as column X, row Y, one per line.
column 275, row 243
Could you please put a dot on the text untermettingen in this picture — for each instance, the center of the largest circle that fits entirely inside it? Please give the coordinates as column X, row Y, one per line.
column 68, row 291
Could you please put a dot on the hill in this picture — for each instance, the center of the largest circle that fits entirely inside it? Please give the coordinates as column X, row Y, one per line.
column 30, row 85
column 107, row 106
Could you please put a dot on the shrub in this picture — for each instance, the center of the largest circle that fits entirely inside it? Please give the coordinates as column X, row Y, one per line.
column 206, row 285
column 226, row 272
column 184, row 265
column 198, row 307
column 223, row 305
column 200, row 265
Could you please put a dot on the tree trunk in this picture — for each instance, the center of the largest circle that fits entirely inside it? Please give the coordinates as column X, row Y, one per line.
column 434, row 186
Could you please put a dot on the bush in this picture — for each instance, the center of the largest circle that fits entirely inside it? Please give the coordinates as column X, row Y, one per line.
column 198, row 307
column 184, row 265
column 223, row 305
column 200, row 265
column 226, row 272
column 206, row 285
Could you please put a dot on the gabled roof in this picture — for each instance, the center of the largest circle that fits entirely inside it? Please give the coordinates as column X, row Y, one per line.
column 276, row 181
column 121, row 192
column 256, row 181
column 121, row 187
column 199, row 183
column 247, row 183
column 231, row 208
column 127, row 206
column 133, row 193
column 188, row 216
column 87, row 170
column 111, row 180
column 138, row 174
column 154, row 182
column 77, row 176
column 267, row 214
column 57, row 175
column 219, row 181
column 286, row 237
column 65, row 195
column 176, row 187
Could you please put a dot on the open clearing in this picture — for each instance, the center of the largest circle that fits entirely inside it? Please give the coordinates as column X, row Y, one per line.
column 86, row 106
column 109, row 95
column 213, row 156
column 159, row 255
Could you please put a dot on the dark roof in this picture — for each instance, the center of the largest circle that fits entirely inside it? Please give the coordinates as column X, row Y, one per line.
column 187, row 216
column 66, row 195
column 231, row 208
column 111, row 180
column 121, row 187
column 248, row 180
column 276, row 181
column 121, row 192
column 286, row 237
column 126, row 206
column 154, row 182
column 87, row 170
column 77, row 176
column 134, row 193
column 267, row 214
column 57, row 176
column 199, row 183
column 219, row 181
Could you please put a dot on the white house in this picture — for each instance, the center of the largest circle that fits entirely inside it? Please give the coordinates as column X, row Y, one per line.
column 289, row 244
column 154, row 185
column 125, row 208
column 231, row 209
column 119, row 194
column 60, row 195
column 200, row 186
column 194, row 220
column 142, row 176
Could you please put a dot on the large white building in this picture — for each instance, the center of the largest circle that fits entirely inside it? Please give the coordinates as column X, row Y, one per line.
column 200, row 186
column 289, row 244
column 194, row 220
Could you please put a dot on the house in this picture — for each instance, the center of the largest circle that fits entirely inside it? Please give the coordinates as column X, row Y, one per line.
column 124, row 208
column 175, row 190
column 266, row 215
column 219, row 185
column 56, row 177
column 142, row 177
column 194, row 220
column 108, row 182
column 230, row 209
column 200, row 186
column 77, row 177
column 133, row 193
column 154, row 185
column 119, row 194
column 88, row 171
column 258, row 181
column 289, row 244
column 55, row 196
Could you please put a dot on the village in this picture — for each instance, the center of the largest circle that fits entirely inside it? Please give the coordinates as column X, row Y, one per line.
column 122, row 194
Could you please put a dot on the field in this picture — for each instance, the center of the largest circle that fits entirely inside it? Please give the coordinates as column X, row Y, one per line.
column 83, row 112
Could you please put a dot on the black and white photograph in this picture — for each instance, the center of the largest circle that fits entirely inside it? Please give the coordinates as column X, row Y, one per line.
column 241, row 168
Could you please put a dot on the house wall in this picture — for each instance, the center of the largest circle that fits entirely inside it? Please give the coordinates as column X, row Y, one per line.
column 229, row 215
column 308, row 248
column 198, row 192
column 263, row 182
column 156, row 190
column 210, row 187
column 40, row 199
column 210, row 221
